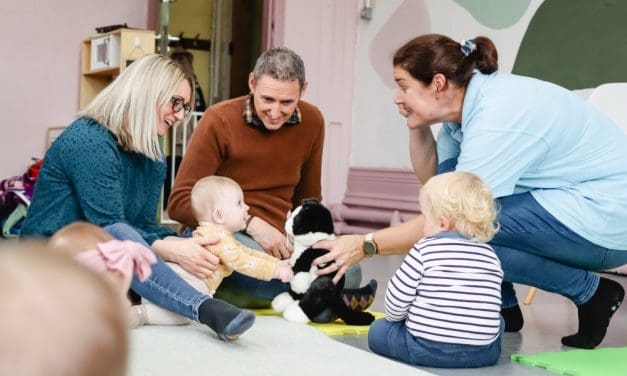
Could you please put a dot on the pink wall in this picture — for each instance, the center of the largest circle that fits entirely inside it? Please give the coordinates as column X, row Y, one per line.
column 40, row 67
column 324, row 34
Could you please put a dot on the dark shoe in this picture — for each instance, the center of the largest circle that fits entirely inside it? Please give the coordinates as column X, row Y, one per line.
column 595, row 314
column 360, row 299
column 513, row 318
column 228, row 321
column 237, row 326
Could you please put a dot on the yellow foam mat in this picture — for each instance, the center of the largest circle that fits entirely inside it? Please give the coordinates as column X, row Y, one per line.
column 334, row 328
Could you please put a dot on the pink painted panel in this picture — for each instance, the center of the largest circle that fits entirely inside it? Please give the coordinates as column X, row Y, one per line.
column 324, row 34
column 376, row 198
column 40, row 67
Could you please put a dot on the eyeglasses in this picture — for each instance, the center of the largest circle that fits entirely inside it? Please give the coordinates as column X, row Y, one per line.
column 178, row 104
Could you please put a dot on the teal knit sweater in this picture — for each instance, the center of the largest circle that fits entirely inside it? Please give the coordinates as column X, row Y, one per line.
column 87, row 176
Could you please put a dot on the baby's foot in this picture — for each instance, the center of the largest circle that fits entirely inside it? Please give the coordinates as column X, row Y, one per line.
column 136, row 316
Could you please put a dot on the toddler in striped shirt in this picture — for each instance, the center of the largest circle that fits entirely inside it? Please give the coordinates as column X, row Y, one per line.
column 443, row 303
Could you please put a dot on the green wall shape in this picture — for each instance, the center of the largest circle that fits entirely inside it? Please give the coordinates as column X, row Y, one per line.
column 496, row 14
column 577, row 44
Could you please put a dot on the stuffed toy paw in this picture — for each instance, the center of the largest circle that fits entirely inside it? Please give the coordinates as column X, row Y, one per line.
column 294, row 313
column 300, row 283
column 281, row 302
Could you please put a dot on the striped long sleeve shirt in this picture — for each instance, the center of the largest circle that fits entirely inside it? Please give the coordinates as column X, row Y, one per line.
column 448, row 289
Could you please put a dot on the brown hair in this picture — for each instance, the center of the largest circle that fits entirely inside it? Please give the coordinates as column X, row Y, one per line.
column 426, row 55
column 78, row 237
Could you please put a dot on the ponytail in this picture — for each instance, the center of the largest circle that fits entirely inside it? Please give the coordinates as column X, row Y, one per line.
column 429, row 54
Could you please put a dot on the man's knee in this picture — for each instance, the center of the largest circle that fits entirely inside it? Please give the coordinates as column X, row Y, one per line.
column 353, row 277
column 245, row 239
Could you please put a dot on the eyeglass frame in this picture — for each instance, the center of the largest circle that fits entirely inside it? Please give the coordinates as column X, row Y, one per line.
column 178, row 104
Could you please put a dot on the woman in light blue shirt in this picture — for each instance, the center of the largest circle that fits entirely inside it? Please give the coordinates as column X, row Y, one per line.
column 557, row 166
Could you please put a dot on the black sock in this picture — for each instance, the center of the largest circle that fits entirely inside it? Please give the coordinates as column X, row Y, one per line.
column 360, row 298
column 513, row 318
column 595, row 314
column 228, row 321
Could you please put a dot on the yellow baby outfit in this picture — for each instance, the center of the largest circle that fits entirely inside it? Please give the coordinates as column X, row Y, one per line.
column 234, row 256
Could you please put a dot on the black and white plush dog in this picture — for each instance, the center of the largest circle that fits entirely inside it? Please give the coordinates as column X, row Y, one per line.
column 310, row 294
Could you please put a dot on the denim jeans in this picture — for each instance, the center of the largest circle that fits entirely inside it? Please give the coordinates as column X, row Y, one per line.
column 393, row 340
column 538, row 250
column 248, row 292
column 164, row 287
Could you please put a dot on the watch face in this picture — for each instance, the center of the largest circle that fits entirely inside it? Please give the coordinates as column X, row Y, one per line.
column 370, row 248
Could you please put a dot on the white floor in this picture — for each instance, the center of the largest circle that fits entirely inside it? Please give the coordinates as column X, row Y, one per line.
column 547, row 319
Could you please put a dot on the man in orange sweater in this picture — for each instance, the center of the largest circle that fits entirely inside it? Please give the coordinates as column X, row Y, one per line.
column 270, row 142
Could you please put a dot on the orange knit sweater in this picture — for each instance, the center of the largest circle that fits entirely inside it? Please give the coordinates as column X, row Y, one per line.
column 276, row 169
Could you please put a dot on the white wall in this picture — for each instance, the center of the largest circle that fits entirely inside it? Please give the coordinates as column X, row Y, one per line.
column 40, row 67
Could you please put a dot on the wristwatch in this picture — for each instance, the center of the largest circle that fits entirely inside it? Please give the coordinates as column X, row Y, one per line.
column 370, row 247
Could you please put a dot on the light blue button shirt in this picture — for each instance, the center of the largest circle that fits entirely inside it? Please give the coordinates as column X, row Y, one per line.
column 521, row 134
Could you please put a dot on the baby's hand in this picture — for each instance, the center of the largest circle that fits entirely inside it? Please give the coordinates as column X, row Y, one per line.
column 285, row 262
column 283, row 272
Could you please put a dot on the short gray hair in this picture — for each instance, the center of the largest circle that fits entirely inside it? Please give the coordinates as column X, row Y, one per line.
column 282, row 64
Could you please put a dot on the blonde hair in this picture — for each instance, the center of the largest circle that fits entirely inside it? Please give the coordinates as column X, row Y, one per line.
column 65, row 314
column 465, row 200
column 208, row 191
column 129, row 105
column 78, row 237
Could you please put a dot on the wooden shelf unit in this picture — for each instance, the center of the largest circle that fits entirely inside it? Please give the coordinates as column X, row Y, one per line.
column 94, row 80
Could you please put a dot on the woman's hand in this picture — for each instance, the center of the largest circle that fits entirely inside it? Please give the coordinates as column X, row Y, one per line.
column 189, row 253
column 346, row 251
column 271, row 239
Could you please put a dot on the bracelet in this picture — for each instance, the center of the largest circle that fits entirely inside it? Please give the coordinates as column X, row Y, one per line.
column 248, row 223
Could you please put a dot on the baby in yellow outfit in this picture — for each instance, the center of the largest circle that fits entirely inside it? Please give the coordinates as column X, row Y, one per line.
column 219, row 207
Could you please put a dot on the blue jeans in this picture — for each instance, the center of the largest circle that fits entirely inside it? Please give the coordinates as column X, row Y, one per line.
column 536, row 249
column 164, row 287
column 393, row 340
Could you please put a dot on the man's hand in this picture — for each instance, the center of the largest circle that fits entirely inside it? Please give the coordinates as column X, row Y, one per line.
column 271, row 239
column 346, row 251
column 189, row 253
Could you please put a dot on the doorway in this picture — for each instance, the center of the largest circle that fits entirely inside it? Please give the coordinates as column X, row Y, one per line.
column 223, row 38
column 233, row 30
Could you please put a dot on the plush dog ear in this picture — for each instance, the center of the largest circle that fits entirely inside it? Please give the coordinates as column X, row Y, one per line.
column 312, row 216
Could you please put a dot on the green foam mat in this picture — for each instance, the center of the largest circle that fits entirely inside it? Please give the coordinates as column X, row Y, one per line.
column 334, row 328
column 597, row 362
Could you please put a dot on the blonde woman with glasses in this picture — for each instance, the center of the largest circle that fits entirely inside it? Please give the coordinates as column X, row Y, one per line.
column 107, row 168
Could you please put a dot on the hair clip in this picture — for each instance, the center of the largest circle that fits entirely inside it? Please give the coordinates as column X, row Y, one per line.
column 468, row 46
